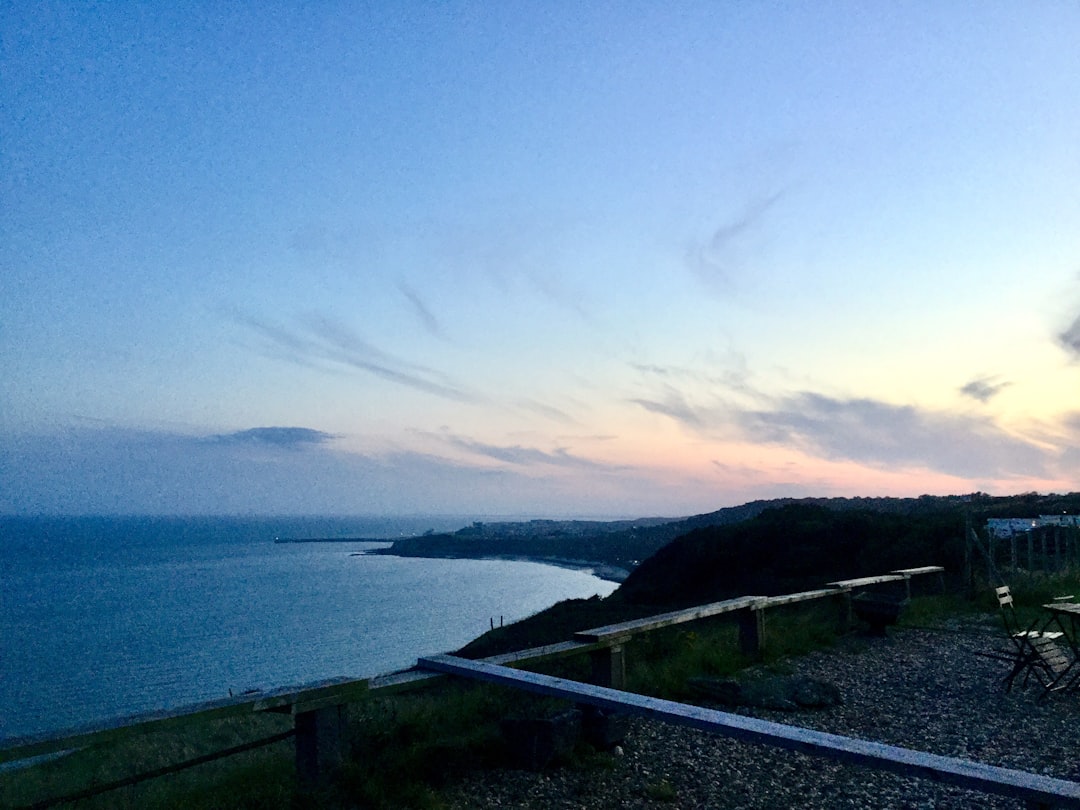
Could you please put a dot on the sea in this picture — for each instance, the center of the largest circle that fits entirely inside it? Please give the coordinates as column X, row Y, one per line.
column 104, row 617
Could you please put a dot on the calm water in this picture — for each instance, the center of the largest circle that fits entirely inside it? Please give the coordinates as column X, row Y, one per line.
column 106, row 617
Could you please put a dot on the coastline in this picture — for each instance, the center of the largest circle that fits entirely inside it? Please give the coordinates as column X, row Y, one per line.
column 600, row 570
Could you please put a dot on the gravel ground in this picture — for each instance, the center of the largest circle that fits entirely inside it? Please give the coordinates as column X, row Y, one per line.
column 920, row 689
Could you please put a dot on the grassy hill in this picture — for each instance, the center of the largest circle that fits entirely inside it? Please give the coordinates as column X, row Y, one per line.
column 772, row 547
column 626, row 544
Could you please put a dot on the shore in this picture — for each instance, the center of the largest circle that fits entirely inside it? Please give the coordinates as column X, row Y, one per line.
column 922, row 689
column 610, row 573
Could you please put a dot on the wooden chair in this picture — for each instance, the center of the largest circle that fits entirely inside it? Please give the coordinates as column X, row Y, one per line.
column 1035, row 650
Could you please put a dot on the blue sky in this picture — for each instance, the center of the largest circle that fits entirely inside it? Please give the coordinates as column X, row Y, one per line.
column 535, row 258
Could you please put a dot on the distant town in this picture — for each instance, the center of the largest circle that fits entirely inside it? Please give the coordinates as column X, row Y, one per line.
column 1006, row 527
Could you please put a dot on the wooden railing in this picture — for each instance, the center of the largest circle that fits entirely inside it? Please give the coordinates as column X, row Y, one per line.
column 1036, row 790
column 318, row 709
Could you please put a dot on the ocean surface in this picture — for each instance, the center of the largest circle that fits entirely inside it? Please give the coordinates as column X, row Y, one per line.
column 104, row 617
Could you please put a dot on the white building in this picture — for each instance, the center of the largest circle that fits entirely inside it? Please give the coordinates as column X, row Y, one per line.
column 1006, row 527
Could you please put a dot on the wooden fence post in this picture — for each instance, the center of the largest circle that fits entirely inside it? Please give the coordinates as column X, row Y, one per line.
column 320, row 744
column 751, row 631
column 843, row 611
column 609, row 666
column 604, row 729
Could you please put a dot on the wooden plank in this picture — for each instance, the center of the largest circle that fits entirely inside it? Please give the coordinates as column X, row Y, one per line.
column 623, row 629
column 310, row 698
column 904, row 761
column 789, row 598
column 544, row 653
column 926, row 569
column 863, row 582
column 403, row 681
column 409, row 679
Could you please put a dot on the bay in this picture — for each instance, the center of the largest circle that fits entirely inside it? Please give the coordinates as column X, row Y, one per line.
column 104, row 617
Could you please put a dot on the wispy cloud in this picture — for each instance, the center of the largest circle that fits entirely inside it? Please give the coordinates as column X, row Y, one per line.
column 883, row 434
column 719, row 258
column 984, row 389
column 122, row 471
column 547, row 411
column 674, row 405
column 521, row 456
column 289, row 437
column 1070, row 339
column 323, row 340
column 865, row 431
column 727, row 371
column 423, row 312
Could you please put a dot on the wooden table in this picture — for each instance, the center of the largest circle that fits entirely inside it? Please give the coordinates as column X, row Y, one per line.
column 1066, row 615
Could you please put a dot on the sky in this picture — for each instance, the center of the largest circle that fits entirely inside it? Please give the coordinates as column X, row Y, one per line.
column 537, row 259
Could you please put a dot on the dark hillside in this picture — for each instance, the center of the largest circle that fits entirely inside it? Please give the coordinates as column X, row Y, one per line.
column 766, row 548
column 626, row 543
column 795, row 547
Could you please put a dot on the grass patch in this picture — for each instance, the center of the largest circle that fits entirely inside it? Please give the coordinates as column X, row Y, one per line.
column 661, row 662
column 261, row 778
column 434, row 737
column 661, row 791
column 933, row 611
column 1032, row 589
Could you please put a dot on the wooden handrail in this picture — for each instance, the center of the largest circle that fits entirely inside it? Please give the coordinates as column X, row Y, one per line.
column 865, row 582
column 1033, row 788
column 926, row 569
column 791, row 598
column 624, row 629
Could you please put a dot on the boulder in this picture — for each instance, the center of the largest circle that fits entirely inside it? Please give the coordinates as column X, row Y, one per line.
column 532, row 743
column 787, row 693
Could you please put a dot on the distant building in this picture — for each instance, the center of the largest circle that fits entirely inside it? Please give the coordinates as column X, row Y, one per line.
column 1006, row 527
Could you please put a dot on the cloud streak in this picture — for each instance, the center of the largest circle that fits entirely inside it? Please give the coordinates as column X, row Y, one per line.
column 124, row 471
column 983, row 389
column 674, row 405
column 547, row 411
column 717, row 260
column 1070, row 339
column 882, row 434
column 323, row 340
column 287, row 437
column 522, row 456
column 423, row 312
column 866, row 431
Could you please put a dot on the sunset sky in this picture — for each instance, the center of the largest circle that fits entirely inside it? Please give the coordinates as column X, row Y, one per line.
column 603, row 259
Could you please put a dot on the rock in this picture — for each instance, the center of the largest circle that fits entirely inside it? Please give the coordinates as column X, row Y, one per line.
column 811, row 693
column 602, row 729
column 532, row 743
column 781, row 693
